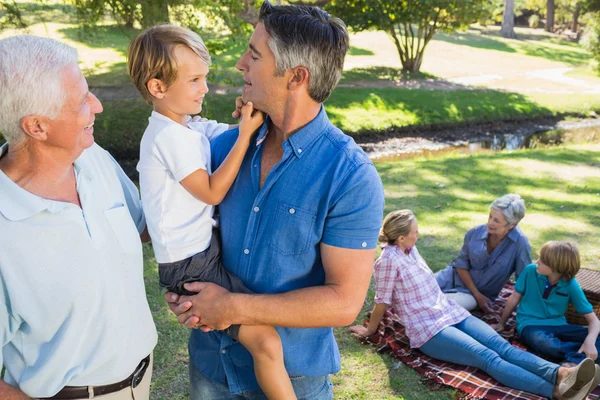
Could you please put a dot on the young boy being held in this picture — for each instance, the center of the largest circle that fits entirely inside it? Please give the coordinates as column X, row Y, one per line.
column 542, row 294
column 168, row 65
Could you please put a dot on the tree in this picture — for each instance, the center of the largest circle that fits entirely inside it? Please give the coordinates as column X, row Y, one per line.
column 550, row 16
column 10, row 15
column 410, row 23
column 508, row 20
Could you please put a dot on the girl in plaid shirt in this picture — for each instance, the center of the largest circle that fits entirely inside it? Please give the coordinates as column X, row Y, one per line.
column 442, row 329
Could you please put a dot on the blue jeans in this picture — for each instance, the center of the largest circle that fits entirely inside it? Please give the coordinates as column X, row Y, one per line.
column 558, row 343
column 305, row 387
column 474, row 343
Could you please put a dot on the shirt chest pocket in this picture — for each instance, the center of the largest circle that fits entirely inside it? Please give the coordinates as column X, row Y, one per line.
column 291, row 229
column 124, row 229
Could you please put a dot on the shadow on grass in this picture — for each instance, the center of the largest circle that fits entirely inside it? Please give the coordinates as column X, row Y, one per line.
column 357, row 51
column 381, row 73
column 531, row 45
column 371, row 110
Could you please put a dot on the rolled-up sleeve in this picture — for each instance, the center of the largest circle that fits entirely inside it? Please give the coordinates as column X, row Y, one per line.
column 385, row 274
column 462, row 261
column 581, row 304
column 354, row 220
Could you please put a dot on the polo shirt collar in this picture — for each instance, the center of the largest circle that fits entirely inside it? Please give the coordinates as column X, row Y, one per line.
column 303, row 138
column 17, row 204
column 544, row 279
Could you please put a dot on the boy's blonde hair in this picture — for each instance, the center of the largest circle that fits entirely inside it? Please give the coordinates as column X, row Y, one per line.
column 150, row 55
column 561, row 257
column 396, row 224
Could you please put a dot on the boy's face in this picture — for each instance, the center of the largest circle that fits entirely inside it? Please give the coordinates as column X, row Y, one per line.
column 542, row 268
column 186, row 94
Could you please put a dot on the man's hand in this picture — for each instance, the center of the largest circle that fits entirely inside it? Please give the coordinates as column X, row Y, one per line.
column 484, row 303
column 207, row 310
column 589, row 348
column 499, row 327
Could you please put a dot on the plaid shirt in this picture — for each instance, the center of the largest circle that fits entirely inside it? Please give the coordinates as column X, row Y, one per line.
column 405, row 282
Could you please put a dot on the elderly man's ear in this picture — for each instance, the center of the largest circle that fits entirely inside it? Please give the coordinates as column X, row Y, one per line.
column 298, row 78
column 35, row 127
column 156, row 88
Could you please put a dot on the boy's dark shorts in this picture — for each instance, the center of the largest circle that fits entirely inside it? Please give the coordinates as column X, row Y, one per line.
column 205, row 266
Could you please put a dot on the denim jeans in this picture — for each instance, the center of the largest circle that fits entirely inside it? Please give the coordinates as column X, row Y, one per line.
column 305, row 387
column 558, row 343
column 474, row 343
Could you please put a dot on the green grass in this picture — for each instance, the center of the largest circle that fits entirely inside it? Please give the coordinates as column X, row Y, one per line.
column 562, row 192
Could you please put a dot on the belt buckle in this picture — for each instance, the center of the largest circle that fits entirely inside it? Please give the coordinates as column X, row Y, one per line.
column 138, row 375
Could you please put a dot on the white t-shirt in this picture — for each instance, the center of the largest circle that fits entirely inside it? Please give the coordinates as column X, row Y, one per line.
column 180, row 225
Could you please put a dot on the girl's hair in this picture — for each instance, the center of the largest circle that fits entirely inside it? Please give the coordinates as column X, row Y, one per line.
column 561, row 257
column 396, row 224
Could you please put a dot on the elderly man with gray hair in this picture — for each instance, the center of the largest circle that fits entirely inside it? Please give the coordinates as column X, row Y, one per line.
column 74, row 319
column 489, row 256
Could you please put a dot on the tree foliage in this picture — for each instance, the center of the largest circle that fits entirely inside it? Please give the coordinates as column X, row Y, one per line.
column 10, row 15
column 410, row 23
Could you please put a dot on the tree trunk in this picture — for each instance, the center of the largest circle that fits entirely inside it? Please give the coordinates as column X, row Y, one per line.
column 550, row 16
column 154, row 12
column 508, row 20
column 576, row 13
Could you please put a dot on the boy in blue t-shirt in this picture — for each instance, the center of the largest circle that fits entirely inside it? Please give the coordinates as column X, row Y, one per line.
column 543, row 292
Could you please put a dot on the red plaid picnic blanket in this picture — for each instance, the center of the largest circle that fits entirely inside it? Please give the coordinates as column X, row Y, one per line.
column 390, row 338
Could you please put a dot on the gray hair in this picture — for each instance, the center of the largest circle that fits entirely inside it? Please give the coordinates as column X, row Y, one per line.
column 30, row 81
column 512, row 207
column 310, row 37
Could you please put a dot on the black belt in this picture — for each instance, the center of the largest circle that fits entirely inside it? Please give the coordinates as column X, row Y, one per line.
column 84, row 392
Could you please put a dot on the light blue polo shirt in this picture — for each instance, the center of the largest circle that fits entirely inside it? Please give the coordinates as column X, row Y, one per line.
column 324, row 190
column 73, row 308
column 535, row 310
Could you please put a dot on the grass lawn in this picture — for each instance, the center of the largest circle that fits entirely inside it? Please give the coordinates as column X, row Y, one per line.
column 562, row 192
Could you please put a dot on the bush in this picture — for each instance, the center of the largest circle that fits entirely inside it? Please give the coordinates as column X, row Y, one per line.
column 534, row 21
column 591, row 39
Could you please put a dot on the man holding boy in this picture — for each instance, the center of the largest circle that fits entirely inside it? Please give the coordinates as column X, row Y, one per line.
column 74, row 319
column 300, row 223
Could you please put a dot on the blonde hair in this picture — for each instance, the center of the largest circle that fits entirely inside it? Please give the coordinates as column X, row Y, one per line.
column 561, row 257
column 150, row 55
column 396, row 224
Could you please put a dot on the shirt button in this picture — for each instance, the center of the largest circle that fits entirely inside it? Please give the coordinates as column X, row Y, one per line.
column 292, row 211
column 256, row 209
column 299, row 150
column 364, row 244
column 223, row 351
column 246, row 251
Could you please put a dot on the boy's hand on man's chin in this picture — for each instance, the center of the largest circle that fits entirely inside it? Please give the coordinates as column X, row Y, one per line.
column 239, row 103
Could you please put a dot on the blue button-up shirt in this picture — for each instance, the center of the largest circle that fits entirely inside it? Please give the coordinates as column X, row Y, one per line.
column 490, row 272
column 323, row 190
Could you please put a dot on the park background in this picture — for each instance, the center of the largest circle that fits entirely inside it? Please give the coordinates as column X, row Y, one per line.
column 420, row 76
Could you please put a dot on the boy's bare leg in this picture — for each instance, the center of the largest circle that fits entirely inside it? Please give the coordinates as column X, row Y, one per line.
column 264, row 343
